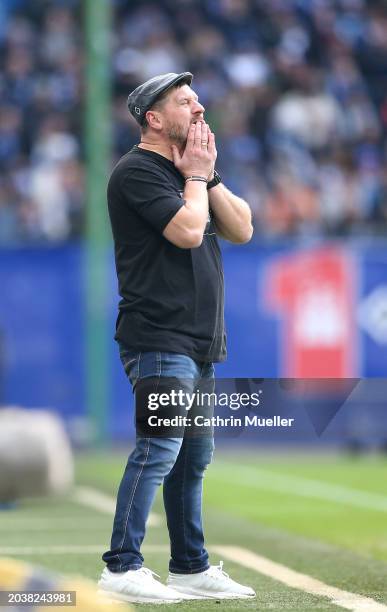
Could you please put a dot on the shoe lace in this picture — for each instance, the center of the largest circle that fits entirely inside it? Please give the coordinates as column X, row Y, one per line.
column 217, row 571
column 148, row 572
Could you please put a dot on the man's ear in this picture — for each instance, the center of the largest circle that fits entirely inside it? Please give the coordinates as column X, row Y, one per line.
column 154, row 119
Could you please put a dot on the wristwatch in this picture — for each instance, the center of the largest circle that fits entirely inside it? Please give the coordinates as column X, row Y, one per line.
column 215, row 181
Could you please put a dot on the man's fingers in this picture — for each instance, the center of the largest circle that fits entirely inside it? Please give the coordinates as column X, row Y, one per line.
column 191, row 135
column 205, row 133
column 211, row 143
column 198, row 134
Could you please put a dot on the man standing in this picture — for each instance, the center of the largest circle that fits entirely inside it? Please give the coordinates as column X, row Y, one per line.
column 167, row 205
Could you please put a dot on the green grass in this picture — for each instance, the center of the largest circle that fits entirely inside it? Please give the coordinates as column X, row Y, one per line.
column 360, row 530
column 340, row 544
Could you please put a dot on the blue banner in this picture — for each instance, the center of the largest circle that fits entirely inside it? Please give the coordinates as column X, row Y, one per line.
column 272, row 296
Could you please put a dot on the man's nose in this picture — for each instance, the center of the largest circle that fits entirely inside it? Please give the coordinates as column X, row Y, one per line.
column 198, row 108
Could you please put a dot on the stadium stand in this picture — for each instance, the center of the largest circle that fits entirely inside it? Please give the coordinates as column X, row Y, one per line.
column 295, row 91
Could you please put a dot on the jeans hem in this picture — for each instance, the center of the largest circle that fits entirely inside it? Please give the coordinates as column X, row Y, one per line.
column 125, row 568
column 189, row 571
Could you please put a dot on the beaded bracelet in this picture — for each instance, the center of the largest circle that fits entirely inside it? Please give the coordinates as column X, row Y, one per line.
column 194, row 177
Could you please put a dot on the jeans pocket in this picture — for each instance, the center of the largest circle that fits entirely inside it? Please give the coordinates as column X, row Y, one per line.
column 130, row 361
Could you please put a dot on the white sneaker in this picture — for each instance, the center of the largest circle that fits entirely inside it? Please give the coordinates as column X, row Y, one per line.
column 136, row 586
column 213, row 582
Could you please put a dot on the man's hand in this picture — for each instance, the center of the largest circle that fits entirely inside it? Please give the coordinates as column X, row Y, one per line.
column 212, row 146
column 199, row 155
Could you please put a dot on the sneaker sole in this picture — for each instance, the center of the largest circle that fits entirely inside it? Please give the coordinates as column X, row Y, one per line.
column 121, row 598
column 196, row 593
column 186, row 596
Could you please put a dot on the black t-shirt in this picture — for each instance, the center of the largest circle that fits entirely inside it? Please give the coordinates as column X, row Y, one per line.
column 172, row 298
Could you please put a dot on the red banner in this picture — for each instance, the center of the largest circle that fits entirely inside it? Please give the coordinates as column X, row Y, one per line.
column 313, row 294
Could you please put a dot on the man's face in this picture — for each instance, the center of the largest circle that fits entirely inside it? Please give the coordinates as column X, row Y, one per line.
column 179, row 111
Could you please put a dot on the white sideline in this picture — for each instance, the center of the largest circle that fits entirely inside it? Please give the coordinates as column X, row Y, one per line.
column 59, row 523
column 296, row 580
column 258, row 478
column 87, row 549
column 87, row 496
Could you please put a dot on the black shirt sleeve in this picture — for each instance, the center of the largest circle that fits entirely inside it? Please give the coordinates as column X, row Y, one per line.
column 148, row 192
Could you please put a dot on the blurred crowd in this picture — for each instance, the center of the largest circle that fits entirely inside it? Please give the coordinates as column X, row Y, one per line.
column 295, row 90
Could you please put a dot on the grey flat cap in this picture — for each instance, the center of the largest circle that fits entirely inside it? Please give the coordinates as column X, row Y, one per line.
column 145, row 95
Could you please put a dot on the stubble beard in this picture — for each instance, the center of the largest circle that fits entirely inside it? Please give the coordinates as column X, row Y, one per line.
column 177, row 134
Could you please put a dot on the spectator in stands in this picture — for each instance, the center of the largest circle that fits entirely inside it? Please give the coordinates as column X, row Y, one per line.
column 300, row 80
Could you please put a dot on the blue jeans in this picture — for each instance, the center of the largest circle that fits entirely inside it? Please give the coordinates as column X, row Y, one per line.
column 178, row 462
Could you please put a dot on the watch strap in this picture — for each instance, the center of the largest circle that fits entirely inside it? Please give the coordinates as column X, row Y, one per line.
column 215, row 181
